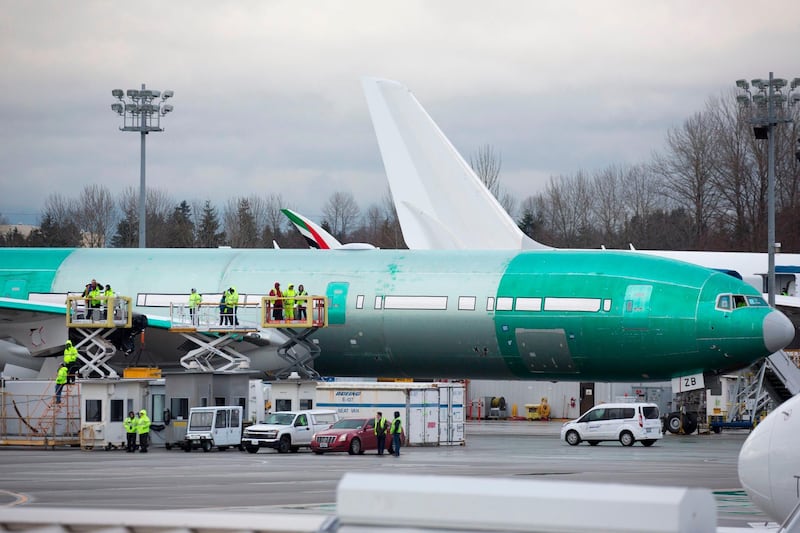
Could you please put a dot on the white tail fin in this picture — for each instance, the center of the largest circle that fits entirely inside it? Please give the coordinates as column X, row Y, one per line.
column 440, row 202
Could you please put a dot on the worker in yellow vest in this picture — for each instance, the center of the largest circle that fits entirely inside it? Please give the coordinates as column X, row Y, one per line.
column 288, row 305
column 61, row 380
column 95, row 293
column 70, row 360
column 130, row 432
column 195, row 299
column 396, row 430
column 143, row 429
column 108, row 300
column 231, row 302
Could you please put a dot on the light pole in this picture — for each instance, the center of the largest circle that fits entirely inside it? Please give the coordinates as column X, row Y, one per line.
column 142, row 112
column 768, row 108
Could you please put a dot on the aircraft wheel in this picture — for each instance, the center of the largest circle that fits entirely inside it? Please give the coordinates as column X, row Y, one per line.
column 674, row 423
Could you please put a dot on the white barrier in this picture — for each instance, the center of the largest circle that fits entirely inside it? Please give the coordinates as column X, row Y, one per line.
column 480, row 504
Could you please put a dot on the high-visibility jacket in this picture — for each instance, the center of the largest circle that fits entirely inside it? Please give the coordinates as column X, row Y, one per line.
column 130, row 425
column 143, row 424
column 380, row 423
column 232, row 298
column 94, row 296
column 195, row 299
column 70, row 354
column 61, row 378
column 396, row 427
column 290, row 294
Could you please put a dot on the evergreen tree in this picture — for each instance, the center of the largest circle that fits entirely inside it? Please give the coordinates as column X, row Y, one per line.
column 208, row 232
column 127, row 235
column 181, row 233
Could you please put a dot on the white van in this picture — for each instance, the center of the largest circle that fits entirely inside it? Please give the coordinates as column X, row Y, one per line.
column 219, row 426
column 288, row 430
column 625, row 422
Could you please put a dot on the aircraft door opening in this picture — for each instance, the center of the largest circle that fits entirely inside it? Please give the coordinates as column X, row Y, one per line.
column 337, row 296
column 636, row 309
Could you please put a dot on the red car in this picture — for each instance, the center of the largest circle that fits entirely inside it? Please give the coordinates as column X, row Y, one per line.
column 351, row 435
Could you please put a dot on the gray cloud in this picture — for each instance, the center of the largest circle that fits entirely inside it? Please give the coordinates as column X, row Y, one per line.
column 268, row 100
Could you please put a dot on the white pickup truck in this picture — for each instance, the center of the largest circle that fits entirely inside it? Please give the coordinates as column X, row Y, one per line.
column 287, row 430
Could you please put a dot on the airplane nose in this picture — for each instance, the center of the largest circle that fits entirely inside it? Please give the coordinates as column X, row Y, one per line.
column 778, row 331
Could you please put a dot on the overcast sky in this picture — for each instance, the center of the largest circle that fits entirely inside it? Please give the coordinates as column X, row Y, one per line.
column 268, row 96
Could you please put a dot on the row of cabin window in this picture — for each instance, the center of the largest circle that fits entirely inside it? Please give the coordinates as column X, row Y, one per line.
column 503, row 303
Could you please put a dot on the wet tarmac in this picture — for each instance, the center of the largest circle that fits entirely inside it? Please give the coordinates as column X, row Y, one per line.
column 233, row 481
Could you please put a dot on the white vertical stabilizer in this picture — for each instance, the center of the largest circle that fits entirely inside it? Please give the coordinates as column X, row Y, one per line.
column 440, row 202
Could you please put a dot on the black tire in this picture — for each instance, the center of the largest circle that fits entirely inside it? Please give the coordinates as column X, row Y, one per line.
column 222, row 448
column 251, row 448
column 168, row 446
column 294, row 449
column 318, row 452
column 187, row 446
column 285, row 444
column 206, row 445
column 674, row 423
column 716, row 429
column 593, row 442
column 648, row 442
column 689, row 423
column 626, row 438
column 355, row 447
column 572, row 438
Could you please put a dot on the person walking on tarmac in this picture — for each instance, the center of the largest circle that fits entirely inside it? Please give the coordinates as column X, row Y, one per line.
column 288, row 304
column 396, row 430
column 130, row 432
column 61, row 380
column 143, row 429
column 195, row 299
column 380, row 431
column 231, row 302
column 70, row 360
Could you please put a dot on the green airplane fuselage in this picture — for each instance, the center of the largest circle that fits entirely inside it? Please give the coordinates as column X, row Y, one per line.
column 544, row 314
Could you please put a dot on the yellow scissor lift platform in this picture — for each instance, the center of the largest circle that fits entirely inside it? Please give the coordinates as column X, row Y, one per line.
column 214, row 329
column 96, row 319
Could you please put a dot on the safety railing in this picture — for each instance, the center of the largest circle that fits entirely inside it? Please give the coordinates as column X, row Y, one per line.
column 99, row 312
column 294, row 312
column 214, row 317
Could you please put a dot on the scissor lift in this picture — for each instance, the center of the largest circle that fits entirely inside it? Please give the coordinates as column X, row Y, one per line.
column 314, row 311
column 215, row 331
column 96, row 323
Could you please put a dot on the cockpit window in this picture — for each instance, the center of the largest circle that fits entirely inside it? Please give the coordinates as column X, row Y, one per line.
column 739, row 301
column 724, row 301
column 756, row 301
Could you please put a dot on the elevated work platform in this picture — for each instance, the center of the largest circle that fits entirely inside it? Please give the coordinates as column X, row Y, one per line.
column 96, row 319
column 215, row 327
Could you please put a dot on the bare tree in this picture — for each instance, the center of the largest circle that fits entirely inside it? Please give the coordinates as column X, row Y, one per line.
column 158, row 210
column 641, row 193
column 688, row 167
column 341, row 214
column 486, row 165
column 274, row 220
column 240, row 223
column 96, row 214
column 608, row 205
column 58, row 224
